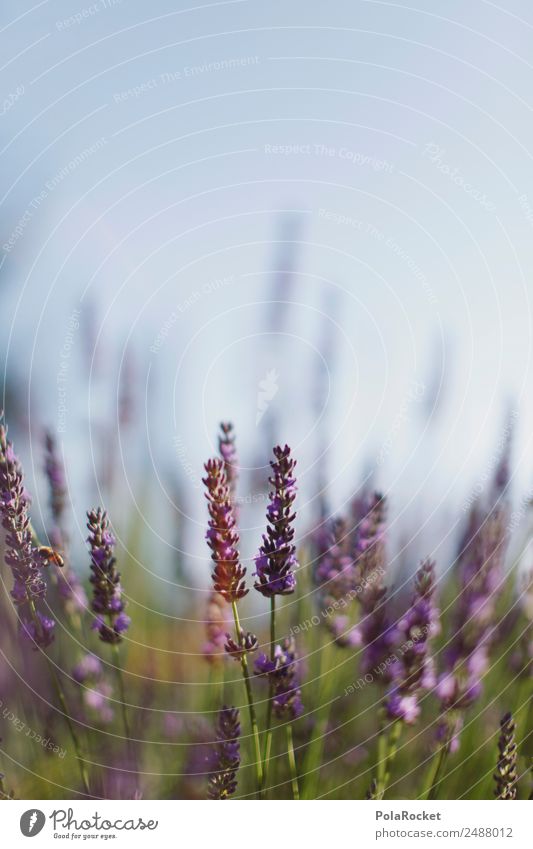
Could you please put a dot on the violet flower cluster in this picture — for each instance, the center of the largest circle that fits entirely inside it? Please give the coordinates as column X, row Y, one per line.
column 22, row 555
column 335, row 576
column 282, row 673
column 467, row 658
column 413, row 669
column 277, row 555
column 111, row 621
column 335, row 572
column 377, row 636
column 97, row 691
column 222, row 536
column 225, row 758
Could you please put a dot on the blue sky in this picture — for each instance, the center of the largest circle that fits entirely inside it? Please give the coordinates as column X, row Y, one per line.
column 168, row 171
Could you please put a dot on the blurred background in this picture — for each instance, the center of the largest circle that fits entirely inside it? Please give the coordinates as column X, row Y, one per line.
column 312, row 220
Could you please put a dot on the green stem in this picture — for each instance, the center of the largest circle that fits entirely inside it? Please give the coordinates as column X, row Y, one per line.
column 122, row 692
column 268, row 739
column 382, row 754
column 292, row 762
column 249, row 696
column 315, row 750
column 64, row 707
column 394, row 738
column 435, row 772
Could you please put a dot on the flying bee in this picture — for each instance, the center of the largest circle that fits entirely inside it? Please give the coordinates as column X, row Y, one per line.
column 49, row 555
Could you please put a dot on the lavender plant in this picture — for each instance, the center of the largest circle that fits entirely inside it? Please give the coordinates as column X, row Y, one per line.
column 23, row 555
column 225, row 756
column 506, row 772
column 277, row 556
column 228, row 574
column 26, row 557
column 360, row 633
column 110, row 621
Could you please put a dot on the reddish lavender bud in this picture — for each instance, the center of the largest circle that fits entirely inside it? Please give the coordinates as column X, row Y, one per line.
column 111, row 621
column 226, row 757
column 222, row 537
column 276, row 558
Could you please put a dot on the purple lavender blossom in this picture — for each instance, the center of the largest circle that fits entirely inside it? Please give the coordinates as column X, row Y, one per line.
column 247, row 643
column 377, row 635
column 97, row 698
column 111, row 621
column 40, row 630
column 413, row 669
column 89, row 668
column 335, row 572
column 226, row 757
column 467, row 658
column 22, row 555
column 282, row 673
column 276, row 558
column 222, row 537
column 97, row 692
column 335, row 576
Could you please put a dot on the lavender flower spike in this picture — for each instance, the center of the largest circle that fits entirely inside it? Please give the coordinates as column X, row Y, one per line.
column 111, row 621
column 506, row 775
column 22, row 555
column 467, row 657
column 413, row 670
column 282, row 673
column 276, row 558
column 226, row 756
column 376, row 635
column 222, row 537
